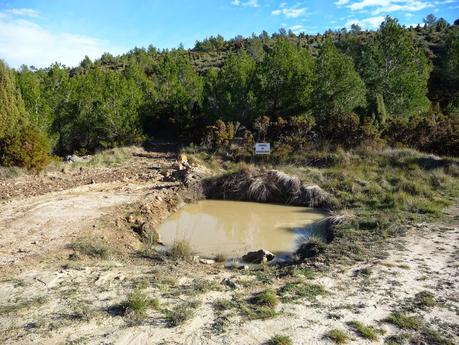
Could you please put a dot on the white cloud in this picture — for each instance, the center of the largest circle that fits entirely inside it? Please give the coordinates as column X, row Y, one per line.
column 341, row 2
column 248, row 3
column 387, row 6
column 296, row 29
column 366, row 23
column 290, row 12
column 23, row 12
column 23, row 41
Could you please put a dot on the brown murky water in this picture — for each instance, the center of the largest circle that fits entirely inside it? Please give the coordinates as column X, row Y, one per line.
column 232, row 227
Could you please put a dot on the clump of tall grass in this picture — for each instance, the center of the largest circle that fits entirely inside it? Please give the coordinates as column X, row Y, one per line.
column 180, row 249
column 272, row 186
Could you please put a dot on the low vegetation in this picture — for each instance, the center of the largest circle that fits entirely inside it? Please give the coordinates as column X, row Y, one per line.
column 92, row 247
column 338, row 336
column 138, row 303
column 364, row 331
column 294, row 291
column 280, row 340
column 181, row 313
column 180, row 249
column 406, row 322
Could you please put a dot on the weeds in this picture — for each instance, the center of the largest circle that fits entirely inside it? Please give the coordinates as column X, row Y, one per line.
column 22, row 305
column 267, row 298
column 92, row 248
column 138, row 303
column 338, row 336
column 404, row 321
column 181, row 313
column 297, row 290
column 366, row 332
column 180, row 249
column 280, row 340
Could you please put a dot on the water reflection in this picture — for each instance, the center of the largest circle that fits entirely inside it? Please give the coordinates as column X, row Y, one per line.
column 233, row 228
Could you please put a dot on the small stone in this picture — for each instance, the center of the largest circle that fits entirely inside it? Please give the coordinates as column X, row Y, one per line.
column 207, row 261
column 258, row 257
column 230, row 283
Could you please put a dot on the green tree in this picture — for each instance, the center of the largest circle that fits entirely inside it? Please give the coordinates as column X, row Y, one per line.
column 12, row 108
column 29, row 83
column 395, row 68
column 101, row 112
column 179, row 90
column 233, row 89
column 338, row 88
column 285, row 79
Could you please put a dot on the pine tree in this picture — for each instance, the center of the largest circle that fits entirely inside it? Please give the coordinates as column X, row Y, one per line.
column 338, row 88
column 395, row 68
column 11, row 104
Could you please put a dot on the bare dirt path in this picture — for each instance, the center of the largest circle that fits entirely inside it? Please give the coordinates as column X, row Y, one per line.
column 41, row 215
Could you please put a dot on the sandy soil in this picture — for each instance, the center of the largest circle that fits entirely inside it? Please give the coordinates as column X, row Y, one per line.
column 48, row 298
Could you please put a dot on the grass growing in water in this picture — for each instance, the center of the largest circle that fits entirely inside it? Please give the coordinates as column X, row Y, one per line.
column 180, row 249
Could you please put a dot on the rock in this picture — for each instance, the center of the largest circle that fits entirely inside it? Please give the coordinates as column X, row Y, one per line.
column 311, row 248
column 230, row 283
column 195, row 258
column 258, row 257
column 207, row 261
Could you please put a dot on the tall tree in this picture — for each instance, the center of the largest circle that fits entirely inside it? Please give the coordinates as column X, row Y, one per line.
column 234, row 89
column 395, row 68
column 285, row 79
column 338, row 88
column 11, row 104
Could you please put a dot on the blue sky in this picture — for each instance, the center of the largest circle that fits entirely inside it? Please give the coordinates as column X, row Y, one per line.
column 39, row 32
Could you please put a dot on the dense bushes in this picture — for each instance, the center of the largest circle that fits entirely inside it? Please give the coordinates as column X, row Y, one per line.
column 26, row 147
column 21, row 142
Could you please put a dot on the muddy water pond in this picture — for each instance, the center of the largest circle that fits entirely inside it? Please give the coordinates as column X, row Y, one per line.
column 233, row 228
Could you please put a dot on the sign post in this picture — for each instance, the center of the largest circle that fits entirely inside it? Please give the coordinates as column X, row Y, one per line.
column 262, row 148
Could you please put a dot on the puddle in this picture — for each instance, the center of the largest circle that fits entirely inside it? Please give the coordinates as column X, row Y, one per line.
column 233, row 228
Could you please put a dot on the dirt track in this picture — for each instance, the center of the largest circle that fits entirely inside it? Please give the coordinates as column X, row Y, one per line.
column 40, row 216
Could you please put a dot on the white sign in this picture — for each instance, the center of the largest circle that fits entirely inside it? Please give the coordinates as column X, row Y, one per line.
column 262, row 148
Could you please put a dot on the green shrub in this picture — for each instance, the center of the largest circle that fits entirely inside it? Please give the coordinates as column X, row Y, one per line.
column 26, row 147
column 338, row 336
column 138, row 303
column 181, row 313
column 267, row 298
column 364, row 331
column 280, row 340
column 404, row 321
column 311, row 248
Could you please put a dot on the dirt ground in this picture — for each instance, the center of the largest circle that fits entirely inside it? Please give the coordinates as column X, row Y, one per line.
column 47, row 296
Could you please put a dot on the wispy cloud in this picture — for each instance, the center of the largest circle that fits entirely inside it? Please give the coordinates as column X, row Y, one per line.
column 247, row 3
column 23, row 41
column 341, row 2
column 366, row 23
column 23, row 12
column 377, row 7
column 293, row 12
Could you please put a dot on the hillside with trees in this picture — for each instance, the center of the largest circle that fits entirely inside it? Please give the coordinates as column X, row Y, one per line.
column 395, row 87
